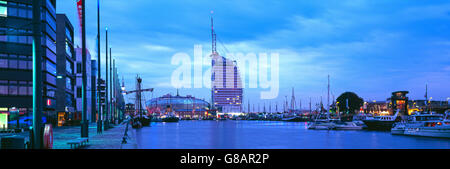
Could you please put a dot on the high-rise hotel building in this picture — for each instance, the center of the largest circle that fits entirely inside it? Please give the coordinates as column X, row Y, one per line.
column 16, row 40
column 226, row 85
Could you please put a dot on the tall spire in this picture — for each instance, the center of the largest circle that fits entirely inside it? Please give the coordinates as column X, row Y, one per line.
column 213, row 35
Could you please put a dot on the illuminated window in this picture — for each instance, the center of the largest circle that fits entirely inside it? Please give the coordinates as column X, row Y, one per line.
column 3, row 9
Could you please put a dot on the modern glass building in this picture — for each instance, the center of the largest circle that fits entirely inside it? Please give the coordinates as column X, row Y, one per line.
column 226, row 85
column 16, row 59
column 183, row 106
column 65, row 79
column 78, row 85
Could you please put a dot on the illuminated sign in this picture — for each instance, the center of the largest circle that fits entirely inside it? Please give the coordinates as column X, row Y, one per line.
column 3, row 121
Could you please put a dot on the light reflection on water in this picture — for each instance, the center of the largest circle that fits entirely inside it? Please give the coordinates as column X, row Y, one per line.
column 271, row 135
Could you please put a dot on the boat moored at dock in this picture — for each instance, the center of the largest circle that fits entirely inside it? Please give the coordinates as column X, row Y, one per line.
column 427, row 125
column 382, row 122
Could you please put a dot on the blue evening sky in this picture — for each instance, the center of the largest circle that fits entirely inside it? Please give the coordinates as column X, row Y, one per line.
column 371, row 48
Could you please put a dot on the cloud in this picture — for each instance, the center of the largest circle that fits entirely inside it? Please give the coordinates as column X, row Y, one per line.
column 371, row 47
column 157, row 48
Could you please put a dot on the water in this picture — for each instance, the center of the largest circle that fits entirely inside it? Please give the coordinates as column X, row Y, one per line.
column 271, row 135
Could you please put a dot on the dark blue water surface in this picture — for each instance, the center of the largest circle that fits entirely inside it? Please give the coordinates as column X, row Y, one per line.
column 271, row 135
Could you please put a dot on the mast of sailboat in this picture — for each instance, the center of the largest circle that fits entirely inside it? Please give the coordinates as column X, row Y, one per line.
column 270, row 107
column 310, row 108
column 248, row 107
column 276, row 107
column 328, row 97
column 293, row 100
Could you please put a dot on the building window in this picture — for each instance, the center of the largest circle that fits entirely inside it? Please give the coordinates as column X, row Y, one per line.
column 68, row 49
column 12, row 88
column 68, row 34
column 78, row 67
column 3, row 89
column 69, row 67
column 79, row 92
column 3, row 9
column 68, row 83
column 3, row 63
column 12, row 64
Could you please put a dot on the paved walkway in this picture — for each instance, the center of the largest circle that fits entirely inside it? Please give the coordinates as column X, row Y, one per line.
column 109, row 139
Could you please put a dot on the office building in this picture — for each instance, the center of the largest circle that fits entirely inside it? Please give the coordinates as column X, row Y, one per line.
column 16, row 87
column 78, row 85
column 65, row 79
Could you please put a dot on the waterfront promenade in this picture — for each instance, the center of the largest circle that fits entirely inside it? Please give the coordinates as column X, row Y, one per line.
column 109, row 139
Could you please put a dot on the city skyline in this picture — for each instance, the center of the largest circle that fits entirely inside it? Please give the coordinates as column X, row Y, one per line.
column 387, row 46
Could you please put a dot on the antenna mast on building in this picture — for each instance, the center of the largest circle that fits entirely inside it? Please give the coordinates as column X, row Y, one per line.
column 213, row 35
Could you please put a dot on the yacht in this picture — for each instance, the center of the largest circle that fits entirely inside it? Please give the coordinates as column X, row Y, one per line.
column 347, row 126
column 398, row 128
column 382, row 122
column 447, row 117
column 427, row 125
column 322, row 123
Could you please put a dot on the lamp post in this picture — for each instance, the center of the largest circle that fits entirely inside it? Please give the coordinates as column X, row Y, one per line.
column 111, row 104
column 85, row 123
column 37, row 76
column 99, row 108
column 106, row 84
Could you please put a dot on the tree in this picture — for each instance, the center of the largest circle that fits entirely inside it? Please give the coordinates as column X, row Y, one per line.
column 354, row 102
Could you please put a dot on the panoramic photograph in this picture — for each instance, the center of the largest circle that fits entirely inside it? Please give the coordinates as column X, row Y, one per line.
column 224, row 74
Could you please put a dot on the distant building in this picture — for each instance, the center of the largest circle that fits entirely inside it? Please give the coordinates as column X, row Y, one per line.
column 432, row 105
column 376, row 107
column 78, row 88
column 65, row 104
column 183, row 106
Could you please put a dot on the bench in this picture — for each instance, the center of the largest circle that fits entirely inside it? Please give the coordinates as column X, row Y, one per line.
column 77, row 143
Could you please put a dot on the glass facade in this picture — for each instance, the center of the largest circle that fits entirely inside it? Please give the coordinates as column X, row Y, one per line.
column 178, row 103
column 17, row 58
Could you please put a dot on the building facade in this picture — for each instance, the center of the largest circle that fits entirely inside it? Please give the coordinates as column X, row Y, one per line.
column 186, row 107
column 79, row 82
column 65, row 105
column 226, row 85
column 16, row 83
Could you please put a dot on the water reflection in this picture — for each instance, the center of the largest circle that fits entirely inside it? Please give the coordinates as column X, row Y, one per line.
column 268, row 135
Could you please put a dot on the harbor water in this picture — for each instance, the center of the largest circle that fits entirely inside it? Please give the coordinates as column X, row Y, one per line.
column 204, row 134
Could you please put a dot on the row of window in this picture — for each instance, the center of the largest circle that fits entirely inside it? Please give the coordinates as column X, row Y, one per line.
column 24, row 39
column 26, row 11
column 16, row 88
column 16, row 64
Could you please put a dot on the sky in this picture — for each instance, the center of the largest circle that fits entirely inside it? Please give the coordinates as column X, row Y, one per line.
column 372, row 48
